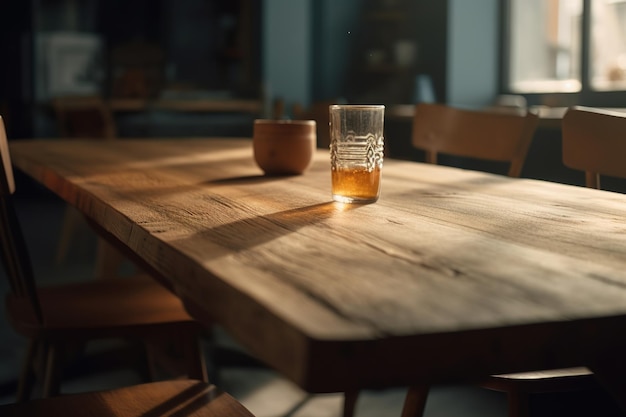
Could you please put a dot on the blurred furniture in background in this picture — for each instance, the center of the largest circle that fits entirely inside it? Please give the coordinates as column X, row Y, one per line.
column 398, row 128
column 199, row 105
column 87, row 117
column 385, row 53
column 137, row 69
column 56, row 319
column 171, row 398
column 493, row 136
column 508, row 103
column 319, row 112
column 514, row 101
column 190, row 113
column 594, row 142
column 549, row 117
column 84, row 117
column 552, row 117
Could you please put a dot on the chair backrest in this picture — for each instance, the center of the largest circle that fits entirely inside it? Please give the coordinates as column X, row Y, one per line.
column 84, row 117
column 594, row 141
column 493, row 136
column 15, row 256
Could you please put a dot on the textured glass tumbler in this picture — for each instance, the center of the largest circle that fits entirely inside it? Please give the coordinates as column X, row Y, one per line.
column 356, row 152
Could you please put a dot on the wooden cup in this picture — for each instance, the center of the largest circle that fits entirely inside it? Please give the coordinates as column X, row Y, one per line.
column 284, row 147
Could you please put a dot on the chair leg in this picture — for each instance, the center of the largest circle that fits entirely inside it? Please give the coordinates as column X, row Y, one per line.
column 415, row 401
column 194, row 357
column 52, row 379
column 27, row 375
column 349, row 403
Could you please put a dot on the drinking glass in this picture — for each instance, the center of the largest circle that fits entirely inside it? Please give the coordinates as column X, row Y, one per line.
column 356, row 152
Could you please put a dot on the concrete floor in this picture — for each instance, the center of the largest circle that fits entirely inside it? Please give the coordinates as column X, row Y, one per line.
column 264, row 392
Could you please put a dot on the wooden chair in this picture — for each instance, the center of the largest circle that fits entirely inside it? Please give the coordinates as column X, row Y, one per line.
column 594, row 142
column 493, row 136
column 85, row 117
column 58, row 317
column 166, row 398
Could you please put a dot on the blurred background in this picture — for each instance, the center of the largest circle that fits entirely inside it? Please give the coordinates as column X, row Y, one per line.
column 467, row 53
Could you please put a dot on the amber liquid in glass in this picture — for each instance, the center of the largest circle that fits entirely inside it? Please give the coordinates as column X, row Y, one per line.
column 355, row 184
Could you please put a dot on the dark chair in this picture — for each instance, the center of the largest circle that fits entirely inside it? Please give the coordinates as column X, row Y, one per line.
column 56, row 318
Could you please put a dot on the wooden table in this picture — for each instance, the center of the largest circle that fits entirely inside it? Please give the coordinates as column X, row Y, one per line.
column 452, row 275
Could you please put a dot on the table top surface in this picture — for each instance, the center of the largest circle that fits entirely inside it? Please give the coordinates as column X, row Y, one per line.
column 452, row 274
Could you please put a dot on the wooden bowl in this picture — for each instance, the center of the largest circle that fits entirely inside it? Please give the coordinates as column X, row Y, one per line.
column 284, row 147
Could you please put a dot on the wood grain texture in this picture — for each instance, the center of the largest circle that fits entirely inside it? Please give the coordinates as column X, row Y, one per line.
column 451, row 275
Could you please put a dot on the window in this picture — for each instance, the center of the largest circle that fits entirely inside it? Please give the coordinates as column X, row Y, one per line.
column 565, row 46
column 608, row 45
